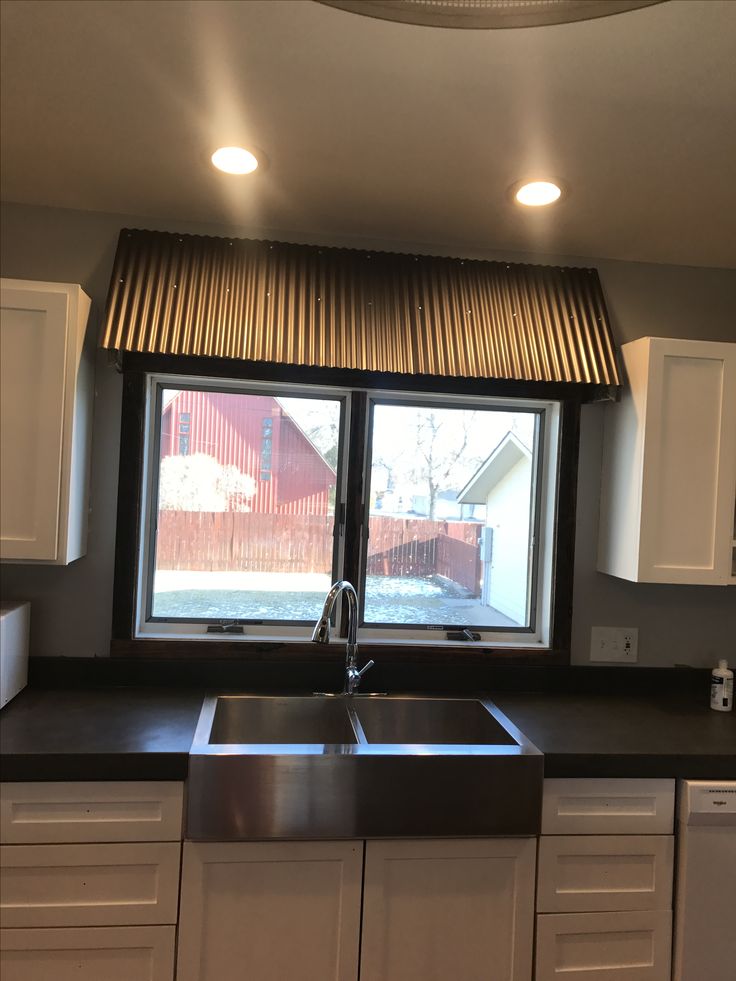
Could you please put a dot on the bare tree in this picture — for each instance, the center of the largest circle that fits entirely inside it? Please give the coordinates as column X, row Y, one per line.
column 441, row 464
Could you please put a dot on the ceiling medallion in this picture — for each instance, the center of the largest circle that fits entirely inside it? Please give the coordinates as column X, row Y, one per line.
column 488, row 14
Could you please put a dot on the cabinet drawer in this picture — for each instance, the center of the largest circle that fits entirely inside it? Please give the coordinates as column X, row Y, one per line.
column 589, row 873
column 89, row 885
column 632, row 946
column 608, row 806
column 69, row 812
column 101, row 954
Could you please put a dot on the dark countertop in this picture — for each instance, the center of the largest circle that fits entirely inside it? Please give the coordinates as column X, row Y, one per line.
column 113, row 734
column 673, row 735
column 146, row 733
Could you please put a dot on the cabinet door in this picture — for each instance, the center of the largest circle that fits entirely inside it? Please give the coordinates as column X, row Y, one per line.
column 33, row 343
column 46, row 392
column 689, row 475
column 100, row 954
column 268, row 911
column 435, row 910
column 669, row 465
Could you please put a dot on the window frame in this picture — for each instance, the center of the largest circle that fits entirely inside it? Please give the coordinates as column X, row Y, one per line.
column 135, row 366
column 145, row 621
column 544, row 483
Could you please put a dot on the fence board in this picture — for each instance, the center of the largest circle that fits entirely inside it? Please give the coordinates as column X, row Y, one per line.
column 226, row 541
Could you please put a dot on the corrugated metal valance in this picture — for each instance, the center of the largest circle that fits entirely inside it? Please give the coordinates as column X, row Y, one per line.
column 344, row 308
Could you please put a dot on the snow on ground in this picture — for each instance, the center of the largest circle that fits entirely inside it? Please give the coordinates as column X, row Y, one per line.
column 299, row 596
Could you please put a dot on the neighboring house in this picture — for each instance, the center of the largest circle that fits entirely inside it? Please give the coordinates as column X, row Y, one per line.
column 405, row 502
column 255, row 434
column 503, row 484
column 448, row 507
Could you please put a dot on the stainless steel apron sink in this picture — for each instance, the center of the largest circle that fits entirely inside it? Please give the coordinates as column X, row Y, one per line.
column 360, row 766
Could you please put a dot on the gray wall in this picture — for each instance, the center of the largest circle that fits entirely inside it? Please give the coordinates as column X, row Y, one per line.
column 71, row 606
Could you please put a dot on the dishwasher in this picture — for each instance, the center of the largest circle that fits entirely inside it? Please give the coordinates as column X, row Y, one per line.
column 705, row 898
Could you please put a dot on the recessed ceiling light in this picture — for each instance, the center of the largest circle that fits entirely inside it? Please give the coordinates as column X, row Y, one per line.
column 535, row 194
column 234, row 160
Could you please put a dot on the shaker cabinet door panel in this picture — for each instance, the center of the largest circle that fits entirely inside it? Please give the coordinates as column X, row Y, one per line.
column 89, row 885
column 46, row 393
column 440, row 909
column 33, row 338
column 588, row 873
column 270, row 911
column 98, row 954
column 627, row 946
column 668, row 487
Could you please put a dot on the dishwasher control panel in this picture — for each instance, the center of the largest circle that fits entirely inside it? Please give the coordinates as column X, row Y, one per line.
column 708, row 802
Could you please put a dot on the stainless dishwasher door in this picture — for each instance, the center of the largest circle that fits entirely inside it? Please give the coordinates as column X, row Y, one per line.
column 705, row 903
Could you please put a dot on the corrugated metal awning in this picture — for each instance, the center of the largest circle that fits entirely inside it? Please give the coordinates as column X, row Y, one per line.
column 344, row 308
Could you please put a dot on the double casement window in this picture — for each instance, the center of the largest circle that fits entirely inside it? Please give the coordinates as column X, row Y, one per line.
column 255, row 496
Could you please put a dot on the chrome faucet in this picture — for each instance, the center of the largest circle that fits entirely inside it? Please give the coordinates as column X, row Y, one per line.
column 321, row 633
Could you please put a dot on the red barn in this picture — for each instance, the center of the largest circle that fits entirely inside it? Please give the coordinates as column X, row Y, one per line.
column 258, row 436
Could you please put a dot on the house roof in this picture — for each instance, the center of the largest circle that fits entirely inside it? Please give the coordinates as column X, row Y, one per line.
column 503, row 458
column 377, row 131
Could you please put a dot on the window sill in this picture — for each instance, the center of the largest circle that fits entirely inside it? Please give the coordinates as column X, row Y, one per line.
column 383, row 651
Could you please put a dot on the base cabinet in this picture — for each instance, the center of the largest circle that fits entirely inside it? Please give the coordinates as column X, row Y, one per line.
column 604, row 880
column 89, row 880
column 431, row 910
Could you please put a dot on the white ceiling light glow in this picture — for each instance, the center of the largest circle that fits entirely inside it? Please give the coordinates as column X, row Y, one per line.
column 537, row 194
column 234, row 160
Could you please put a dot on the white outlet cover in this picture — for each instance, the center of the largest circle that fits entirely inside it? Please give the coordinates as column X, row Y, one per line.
column 614, row 644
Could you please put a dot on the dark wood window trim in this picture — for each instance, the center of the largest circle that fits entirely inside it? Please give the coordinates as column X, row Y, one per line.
column 135, row 367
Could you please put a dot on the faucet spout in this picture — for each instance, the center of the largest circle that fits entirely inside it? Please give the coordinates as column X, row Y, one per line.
column 321, row 632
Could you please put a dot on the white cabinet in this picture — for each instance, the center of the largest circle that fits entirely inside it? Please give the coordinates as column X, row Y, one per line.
column 599, row 873
column 631, row 946
column 602, row 806
column 431, row 910
column 439, row 909
column 267, row 911
column 89, row 885
column 102, row 954
column 89, row 880
column 668, row 494
column 604, row 880
column 49, row 813
column 46, row 393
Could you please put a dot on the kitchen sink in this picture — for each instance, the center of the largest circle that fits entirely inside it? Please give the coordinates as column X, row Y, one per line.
column 432, row 721
column 286, row 720
column 359, row 766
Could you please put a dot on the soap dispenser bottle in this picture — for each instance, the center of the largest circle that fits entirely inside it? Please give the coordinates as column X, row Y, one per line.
column 721, row 688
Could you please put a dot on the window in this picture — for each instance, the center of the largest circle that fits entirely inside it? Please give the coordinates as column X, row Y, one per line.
column 257, row 495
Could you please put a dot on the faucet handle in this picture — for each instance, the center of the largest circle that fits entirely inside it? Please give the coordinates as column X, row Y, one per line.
column 368, row 664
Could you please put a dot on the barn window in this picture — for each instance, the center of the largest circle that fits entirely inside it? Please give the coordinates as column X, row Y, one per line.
column 441, row 509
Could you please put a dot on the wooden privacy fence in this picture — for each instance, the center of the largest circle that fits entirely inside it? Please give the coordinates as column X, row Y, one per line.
column 231, row 541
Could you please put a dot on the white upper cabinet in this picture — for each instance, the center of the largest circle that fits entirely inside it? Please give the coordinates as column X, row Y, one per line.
column 668, row 497
column 46, row 394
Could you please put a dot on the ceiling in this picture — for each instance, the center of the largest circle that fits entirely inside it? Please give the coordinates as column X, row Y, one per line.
column 377, row 130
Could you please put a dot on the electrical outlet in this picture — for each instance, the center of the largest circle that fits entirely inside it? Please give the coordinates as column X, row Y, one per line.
column 614, row 644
